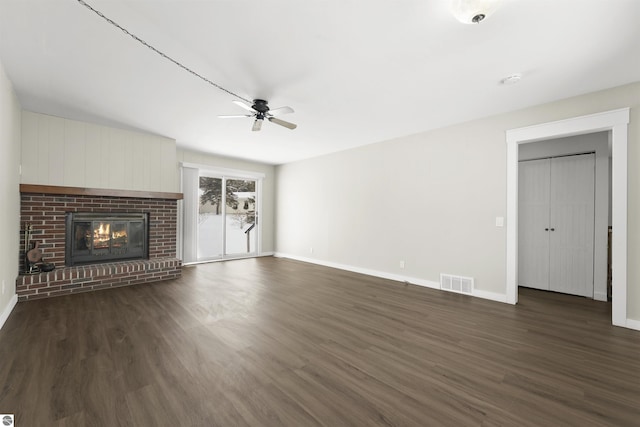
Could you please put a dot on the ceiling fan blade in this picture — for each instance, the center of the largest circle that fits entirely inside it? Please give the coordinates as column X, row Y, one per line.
column 243, row 105
column 280, row 111
column 235, row 116
column 282, row 123
column 257, row 125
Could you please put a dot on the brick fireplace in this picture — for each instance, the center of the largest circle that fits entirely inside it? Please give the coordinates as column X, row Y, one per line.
column 45, row 208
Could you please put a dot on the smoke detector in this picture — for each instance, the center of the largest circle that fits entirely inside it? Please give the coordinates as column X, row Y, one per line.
column 511, row 79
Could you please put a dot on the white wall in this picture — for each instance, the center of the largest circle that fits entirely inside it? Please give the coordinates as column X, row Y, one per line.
column 453, row 182
column 268, row 186
column 9, row 194
column 345, row 206
column 58, row 151
column 598, row 143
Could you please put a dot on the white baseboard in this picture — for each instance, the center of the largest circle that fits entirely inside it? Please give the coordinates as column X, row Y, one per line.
column 391, row 276
column 493, row 296
column 600, row 296
column 633, row 324
column 7, row 311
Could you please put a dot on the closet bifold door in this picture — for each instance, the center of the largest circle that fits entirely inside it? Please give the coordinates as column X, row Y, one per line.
column 572, row 216
column 533, row 223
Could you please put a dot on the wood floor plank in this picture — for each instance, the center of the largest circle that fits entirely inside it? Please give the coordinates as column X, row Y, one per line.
column 275, row 342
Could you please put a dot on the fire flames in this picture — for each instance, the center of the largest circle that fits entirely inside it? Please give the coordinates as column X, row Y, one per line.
column 102, row 235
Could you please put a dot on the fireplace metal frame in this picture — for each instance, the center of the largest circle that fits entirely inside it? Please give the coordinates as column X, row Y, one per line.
column 73, row 258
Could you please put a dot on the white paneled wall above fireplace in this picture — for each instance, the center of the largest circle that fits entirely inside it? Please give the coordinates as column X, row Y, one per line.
column 63, row 152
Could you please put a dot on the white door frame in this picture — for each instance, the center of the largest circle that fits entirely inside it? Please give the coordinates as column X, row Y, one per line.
column 615, row 121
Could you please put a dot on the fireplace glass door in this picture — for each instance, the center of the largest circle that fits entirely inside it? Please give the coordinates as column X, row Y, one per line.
column 95, row 238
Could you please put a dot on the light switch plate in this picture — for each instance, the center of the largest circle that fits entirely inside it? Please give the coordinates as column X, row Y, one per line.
column 499, row 221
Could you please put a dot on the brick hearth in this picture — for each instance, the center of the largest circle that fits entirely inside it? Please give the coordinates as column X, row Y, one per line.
column 46, row 213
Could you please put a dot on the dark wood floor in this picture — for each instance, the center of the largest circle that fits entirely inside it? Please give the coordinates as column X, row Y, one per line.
column 273, row 342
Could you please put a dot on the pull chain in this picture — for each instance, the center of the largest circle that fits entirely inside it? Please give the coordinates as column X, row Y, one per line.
column 162, row 54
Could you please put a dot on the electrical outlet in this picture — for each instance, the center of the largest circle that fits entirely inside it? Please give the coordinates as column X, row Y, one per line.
column 311, row 250
column 401, row 264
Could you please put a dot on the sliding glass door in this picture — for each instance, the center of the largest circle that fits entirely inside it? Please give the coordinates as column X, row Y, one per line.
column 240, row 219
column 227, row 217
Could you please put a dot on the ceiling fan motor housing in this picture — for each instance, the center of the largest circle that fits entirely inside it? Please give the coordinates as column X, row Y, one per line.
column 260, row 105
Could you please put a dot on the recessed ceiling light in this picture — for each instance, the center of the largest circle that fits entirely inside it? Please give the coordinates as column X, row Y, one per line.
column 511, row 79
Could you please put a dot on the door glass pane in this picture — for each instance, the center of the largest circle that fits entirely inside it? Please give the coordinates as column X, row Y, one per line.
column 210, row 218
column 136, row 236
column 82, row 237
column 101, row 236
column 119, row 235
column 119, row 238
column 241, row 228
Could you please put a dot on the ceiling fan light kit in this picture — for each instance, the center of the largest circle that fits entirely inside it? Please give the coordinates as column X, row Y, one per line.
column 473, row 11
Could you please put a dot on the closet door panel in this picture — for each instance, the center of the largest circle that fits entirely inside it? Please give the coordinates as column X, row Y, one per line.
column 572, row 219
column 533, row 219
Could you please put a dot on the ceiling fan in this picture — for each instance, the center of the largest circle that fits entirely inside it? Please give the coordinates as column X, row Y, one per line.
column 260, row 110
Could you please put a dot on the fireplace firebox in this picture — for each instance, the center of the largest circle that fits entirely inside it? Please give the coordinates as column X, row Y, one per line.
column 93, row 238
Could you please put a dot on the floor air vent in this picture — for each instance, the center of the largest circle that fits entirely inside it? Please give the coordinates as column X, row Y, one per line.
column 459, row 284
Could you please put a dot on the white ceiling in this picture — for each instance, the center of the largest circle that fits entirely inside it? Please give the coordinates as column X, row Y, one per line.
column 356, row 72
